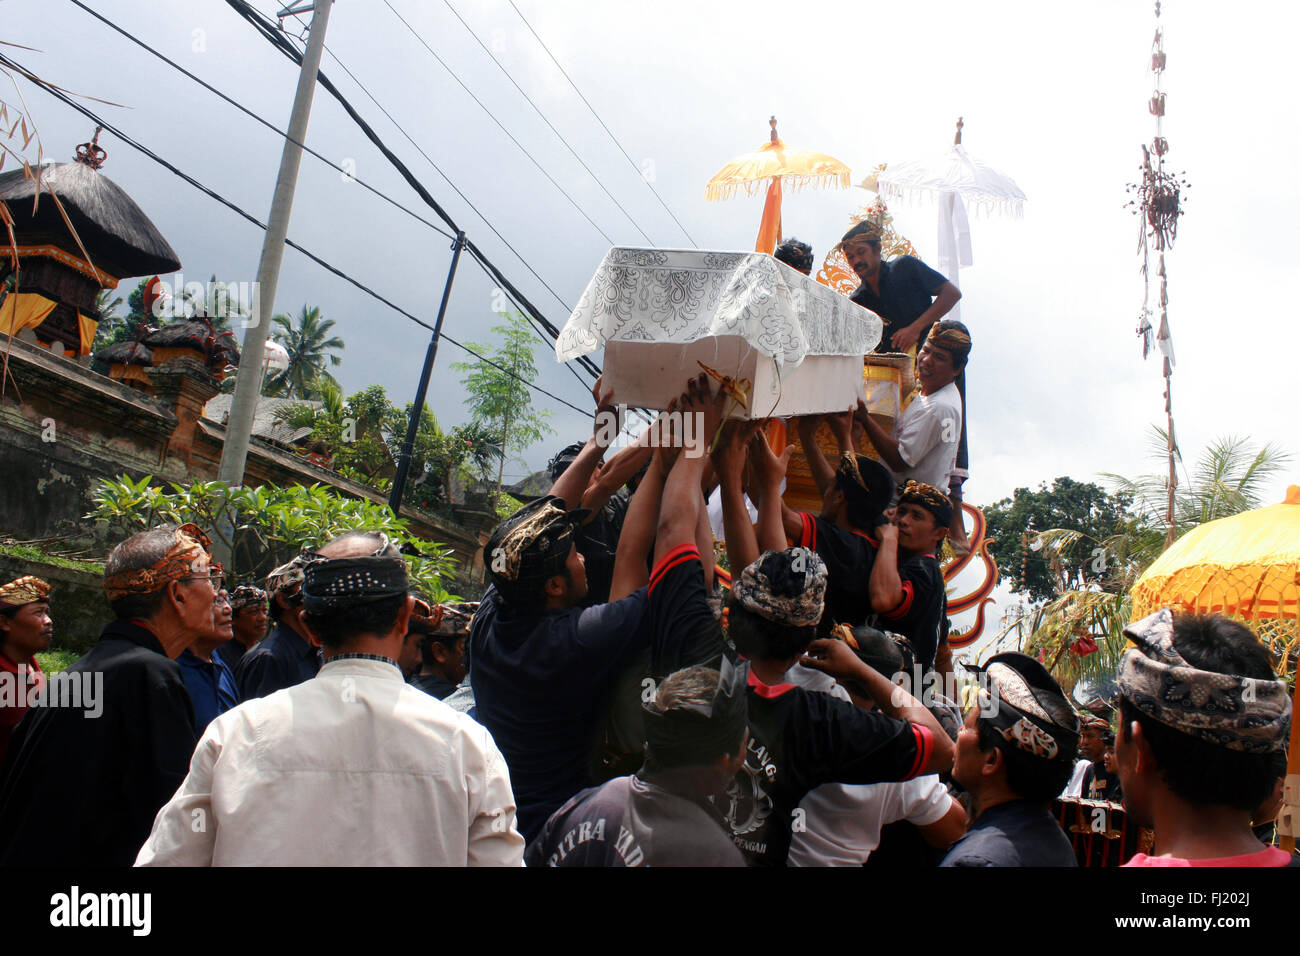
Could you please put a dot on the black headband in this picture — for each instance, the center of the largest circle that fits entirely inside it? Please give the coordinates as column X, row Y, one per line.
column 333, row 583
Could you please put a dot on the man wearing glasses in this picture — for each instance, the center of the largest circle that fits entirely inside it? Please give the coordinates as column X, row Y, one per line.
column 105, row 755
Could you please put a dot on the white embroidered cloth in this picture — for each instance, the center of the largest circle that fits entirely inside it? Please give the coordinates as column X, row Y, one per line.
column 682, row 296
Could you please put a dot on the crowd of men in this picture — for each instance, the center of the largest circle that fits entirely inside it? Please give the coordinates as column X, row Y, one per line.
column 614, row 699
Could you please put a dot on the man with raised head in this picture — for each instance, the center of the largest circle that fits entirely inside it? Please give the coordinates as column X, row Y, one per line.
column 25, row 630
column 351, row 768
column 249, row 614
column 1204, row 725
column 287, row 657
column 104, row 768
column 661, row 815
column 1014, row 754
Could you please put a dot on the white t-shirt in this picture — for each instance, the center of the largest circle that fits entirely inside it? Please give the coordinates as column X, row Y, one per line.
column 1074, row 789
column 841, row 822
column 929, row 431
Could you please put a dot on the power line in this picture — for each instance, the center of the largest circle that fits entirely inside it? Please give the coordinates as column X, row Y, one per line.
column 269, row 125
column 630, row 160
column 489, row 112
column 538, row 111
column 130, row 141
column 273, row 35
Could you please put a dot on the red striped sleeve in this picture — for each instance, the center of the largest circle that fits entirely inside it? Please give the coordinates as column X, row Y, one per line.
column 808, row 537
column 904, row 605
column 678, row 555
column 924, row 747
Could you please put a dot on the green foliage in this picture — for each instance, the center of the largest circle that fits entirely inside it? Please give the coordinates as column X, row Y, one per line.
column 310, row 347
column 1069, row 505
column 1228, row 478
column 264, row 526
column 26, row 552
column 499, row 397
column 54, row 661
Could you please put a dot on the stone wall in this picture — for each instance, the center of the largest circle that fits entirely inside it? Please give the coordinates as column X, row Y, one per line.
column 64, row 428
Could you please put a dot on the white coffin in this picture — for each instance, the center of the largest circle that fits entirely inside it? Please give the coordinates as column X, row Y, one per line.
column 659, row 312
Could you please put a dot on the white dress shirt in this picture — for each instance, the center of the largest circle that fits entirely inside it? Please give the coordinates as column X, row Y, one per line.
column 352, row 768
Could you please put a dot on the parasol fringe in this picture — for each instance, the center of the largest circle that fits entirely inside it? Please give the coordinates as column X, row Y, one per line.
column 715, row 192
column 980, row 206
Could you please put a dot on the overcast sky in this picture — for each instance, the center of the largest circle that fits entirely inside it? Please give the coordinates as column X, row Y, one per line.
column 1054, row 95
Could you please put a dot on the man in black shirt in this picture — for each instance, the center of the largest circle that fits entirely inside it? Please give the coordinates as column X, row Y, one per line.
column 906, row 583
column 287, row 657
column 661, row 815
column 1014, row 754
column 249, row 607
column 103, row 769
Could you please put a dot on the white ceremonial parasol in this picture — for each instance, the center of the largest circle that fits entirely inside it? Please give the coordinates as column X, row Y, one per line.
column 956, row 180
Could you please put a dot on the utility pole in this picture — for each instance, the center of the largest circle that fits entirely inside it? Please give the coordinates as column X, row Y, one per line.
column 243, row 406
column 413, row 423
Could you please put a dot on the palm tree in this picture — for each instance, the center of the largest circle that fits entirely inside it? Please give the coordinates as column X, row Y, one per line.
column 1228, row 478
column 309, row 347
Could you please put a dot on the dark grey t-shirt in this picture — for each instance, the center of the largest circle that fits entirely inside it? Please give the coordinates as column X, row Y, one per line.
column 1019, row 833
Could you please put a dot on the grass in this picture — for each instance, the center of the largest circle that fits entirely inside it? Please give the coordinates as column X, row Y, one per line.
column 54, row 661
column 24, row 552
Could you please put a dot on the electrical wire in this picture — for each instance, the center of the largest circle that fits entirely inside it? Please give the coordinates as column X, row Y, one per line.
column 269, row 125
column 538, row 111
column 573, row 202
column 630, row 160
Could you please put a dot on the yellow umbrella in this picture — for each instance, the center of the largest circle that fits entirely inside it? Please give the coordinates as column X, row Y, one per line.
column 768, row 166
column 1246, row 566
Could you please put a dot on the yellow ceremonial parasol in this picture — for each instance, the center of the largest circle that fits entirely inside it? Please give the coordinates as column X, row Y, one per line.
column 1248, row 567
column 771, row 163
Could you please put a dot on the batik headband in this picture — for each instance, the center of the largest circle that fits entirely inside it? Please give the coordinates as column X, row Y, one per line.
column 1027, row 708
column 246, row 596
column 532, row 545
column 189, row 547
column 785, row 587
column 693, row 733
column 931, row 499
column 954, row 340
column 286, row 580
column 1239, row 713
column 28, row 589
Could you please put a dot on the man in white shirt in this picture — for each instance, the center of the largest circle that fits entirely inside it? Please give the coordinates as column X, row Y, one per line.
column 929, row 430
column 351, row 768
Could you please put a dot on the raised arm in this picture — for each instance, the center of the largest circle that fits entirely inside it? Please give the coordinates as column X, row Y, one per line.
column 769, row 469
column 573, row 483
column 823, row 474
column 881, row 440
column 737, row 531
column 616, row 472
column 886, row 587
column 637, row 536
column 838, row 660
column 681, row 498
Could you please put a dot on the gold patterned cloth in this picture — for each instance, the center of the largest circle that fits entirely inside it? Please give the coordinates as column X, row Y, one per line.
column 182, row 560
column 930, row 498
column 28, row 589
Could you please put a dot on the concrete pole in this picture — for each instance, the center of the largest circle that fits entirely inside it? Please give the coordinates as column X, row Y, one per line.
column 239, row 427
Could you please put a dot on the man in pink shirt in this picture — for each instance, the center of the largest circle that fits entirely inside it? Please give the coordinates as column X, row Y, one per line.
column 1202, row 738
